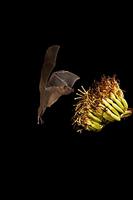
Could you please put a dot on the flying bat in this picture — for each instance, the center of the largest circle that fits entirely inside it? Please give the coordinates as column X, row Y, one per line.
column 52, row 87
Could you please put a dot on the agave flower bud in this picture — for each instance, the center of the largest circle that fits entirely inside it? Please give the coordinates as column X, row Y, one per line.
column 101, row 104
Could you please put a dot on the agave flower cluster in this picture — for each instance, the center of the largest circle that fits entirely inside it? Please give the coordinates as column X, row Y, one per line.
column 101, row 104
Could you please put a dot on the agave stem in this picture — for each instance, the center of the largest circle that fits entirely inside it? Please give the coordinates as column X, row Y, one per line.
column 124, row 102
column 114, row 105
column 77, row 98
column 81, row 91
column 94, row 124
column 108, row 117
column 110, row 107
column 112, row 96
column 113, row 115
column 79, row 94
column 90, row 128
column 93, row 117
column 83, row 88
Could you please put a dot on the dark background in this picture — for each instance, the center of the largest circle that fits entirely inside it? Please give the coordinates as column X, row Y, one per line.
column 92, row 44
column 89, row 50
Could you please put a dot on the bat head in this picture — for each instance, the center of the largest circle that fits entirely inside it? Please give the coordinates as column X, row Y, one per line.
column 67, row 90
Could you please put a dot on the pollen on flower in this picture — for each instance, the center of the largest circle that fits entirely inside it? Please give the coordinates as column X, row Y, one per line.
column 99, row 105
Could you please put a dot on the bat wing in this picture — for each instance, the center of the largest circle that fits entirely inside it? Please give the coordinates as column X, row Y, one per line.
column 48, row 66
column 53, row 94
column 62, row 78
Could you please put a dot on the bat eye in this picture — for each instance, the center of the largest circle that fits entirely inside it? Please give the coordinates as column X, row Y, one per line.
column 65, row 87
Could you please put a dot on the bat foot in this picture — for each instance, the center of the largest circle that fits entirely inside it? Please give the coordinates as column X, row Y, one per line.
column 39, row 120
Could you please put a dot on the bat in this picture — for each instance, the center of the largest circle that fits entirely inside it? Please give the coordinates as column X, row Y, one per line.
column 52, row 87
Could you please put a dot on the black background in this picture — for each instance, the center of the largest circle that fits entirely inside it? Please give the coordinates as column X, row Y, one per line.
column 92, row 43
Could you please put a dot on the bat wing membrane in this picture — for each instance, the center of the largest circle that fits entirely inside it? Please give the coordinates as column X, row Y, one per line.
column 62, row 78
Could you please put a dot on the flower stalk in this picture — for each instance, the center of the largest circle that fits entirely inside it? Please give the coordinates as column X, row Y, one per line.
column 101, row 104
